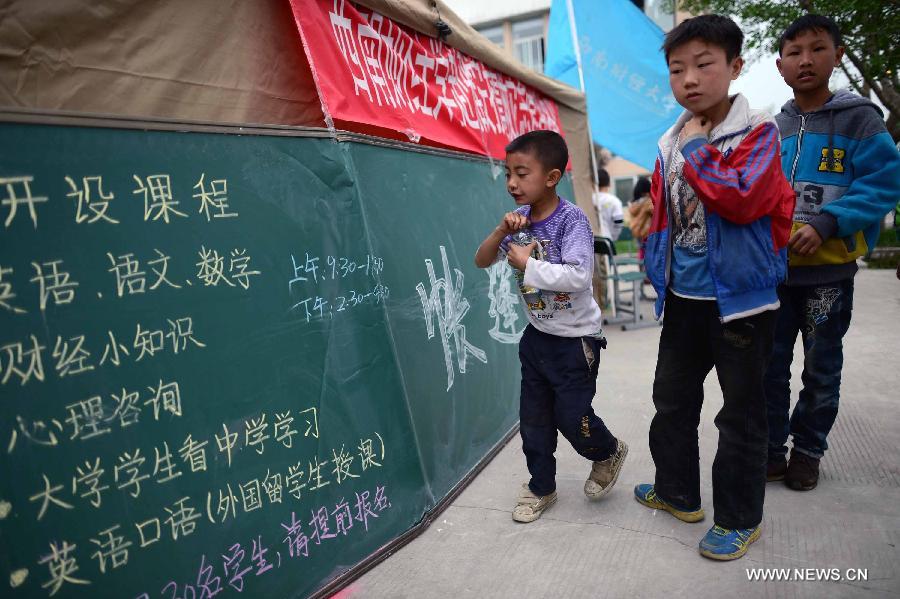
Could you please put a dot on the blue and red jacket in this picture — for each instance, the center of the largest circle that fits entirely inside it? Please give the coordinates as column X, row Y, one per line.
column 748, row 206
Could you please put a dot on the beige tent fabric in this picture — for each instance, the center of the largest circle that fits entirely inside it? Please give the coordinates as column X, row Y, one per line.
column 574, row 125
column 218, row 55
column 223, row 61
column 231, row 61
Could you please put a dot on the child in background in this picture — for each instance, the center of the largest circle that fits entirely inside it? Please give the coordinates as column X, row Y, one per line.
column 609, row 214
column 640, row 212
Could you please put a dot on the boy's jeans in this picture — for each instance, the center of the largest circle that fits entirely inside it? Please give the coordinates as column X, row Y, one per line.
column 694, row 340
column 821, row 314
column 559, row 380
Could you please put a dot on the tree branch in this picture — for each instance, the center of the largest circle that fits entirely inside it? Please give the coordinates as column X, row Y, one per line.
column 888, row 95
column 854, row 81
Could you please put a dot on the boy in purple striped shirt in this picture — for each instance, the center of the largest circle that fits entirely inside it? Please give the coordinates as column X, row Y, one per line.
column 560, row 347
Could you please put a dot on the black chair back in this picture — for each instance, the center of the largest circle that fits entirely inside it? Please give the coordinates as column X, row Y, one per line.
column 604, row 246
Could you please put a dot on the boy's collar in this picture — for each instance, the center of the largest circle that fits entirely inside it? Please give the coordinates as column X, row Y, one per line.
column 822, row 106
column 556, row 208
column 736, row 121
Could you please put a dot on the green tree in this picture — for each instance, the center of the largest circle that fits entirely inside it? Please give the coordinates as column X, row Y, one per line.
column 870, row 28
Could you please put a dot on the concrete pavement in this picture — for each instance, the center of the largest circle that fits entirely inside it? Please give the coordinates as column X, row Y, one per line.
column 617, row 548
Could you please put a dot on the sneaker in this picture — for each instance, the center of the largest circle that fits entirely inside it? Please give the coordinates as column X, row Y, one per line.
column 646, row 495
column 802, row 472
column 776, row 469
column 529, row 506
column 726, row 544
column 604, row 474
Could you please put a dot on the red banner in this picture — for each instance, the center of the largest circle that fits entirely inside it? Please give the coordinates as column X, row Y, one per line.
column 372, row 71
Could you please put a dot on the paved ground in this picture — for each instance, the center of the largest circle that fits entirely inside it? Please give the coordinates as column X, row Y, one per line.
column 617, row 548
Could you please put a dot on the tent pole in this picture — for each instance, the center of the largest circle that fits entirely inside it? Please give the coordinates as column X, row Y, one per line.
column 574, row 30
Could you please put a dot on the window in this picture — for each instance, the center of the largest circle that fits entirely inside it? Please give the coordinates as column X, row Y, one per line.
column 623, row 188
column 661, row 13
column 528, row 43
column 494, row 34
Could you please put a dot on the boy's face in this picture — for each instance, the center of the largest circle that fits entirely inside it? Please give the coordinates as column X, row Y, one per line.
column 700, row 75
column 527, row 180
column 807, row 61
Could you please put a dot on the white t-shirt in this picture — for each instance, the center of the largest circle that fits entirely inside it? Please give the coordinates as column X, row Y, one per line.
column 609, row 213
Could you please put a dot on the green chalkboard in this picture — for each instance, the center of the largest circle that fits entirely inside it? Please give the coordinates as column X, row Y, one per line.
column 226, row 365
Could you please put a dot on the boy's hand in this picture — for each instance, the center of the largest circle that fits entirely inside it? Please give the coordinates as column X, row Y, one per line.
column 487, row 251
column 512, row 222
column 805, row 241
column 698, row 125
column 518, row 255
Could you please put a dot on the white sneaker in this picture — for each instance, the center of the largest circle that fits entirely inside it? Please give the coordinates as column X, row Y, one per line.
column 529, row 506
column 604, row 474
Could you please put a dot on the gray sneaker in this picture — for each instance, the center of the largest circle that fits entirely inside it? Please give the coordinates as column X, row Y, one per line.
column 604, row 474
column 529, row 506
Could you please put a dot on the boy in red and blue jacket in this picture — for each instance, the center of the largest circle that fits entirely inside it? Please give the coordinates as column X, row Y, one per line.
column 715, row 255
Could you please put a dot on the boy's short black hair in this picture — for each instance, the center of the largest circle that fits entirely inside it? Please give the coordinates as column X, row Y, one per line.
column 602, row 177
column 713, row 29
column 641, row 188
column 547, row 146
column 810, row 22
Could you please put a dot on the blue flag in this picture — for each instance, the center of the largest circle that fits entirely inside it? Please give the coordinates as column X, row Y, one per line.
column 626, row 80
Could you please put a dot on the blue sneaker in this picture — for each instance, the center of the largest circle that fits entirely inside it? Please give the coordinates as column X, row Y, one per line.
column 646, row 495
column 727, row 544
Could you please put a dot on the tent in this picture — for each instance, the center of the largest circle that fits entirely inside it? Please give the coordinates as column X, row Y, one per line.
column 243, row 344
column 217, row 62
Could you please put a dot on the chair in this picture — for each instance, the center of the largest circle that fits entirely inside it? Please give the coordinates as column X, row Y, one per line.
column 631, row 248
column 604, row 246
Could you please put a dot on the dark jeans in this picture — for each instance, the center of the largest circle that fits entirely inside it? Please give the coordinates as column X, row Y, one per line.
column 559, row 382
column 694, row 340
column 821, row 314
